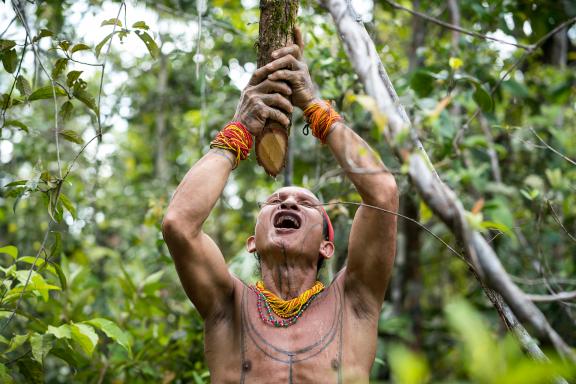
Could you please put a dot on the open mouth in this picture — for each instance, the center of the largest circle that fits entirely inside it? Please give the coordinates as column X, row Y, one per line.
column 287, row 220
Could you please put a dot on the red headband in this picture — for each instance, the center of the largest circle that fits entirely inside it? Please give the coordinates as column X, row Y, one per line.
column 329, row 225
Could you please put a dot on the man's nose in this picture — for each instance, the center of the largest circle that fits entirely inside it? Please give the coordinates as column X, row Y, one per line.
column 289, row 203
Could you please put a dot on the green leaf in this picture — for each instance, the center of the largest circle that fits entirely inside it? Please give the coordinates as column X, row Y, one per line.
column 46, row 93
column 150, row 43
column 41, row 345
column 17, row 341
column 10, row 250
column 407, row 367
column 61, row 275
column 85, row 336
column 59, row 67
column 31, row 370
column 79, row 47
column 102, row 43
column 516, row 89
column 64, row 44
column 86, row 98
column 4, row 375
column 68, row 205
column 23, row 86
column 17, row 124
column 72, row 136
column 112, row 21
column 43, row 33
column 482, row 97
column 65, row 111
column 140, row 25
column 72, row 77
column 16, row 183
column 422, row 82
column 112, row 331
column 62, row 332
column 10, row 60
column 6, row 45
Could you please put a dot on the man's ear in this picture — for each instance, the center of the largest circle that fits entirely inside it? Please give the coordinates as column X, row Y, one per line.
column 251, row 244
column 327, row 249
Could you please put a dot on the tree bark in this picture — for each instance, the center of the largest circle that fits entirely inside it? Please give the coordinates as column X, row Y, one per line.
column 277, row 21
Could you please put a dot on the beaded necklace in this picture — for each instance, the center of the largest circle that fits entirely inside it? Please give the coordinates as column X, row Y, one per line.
column 289, row 310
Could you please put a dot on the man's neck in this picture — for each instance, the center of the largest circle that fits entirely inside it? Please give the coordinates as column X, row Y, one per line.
column 287, row 279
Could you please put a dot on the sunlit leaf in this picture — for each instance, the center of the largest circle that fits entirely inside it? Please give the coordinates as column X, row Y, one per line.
column 79, row 47
column 113, row 21
column 86, row 98
column 43, row 33
column 149, row 42
column 102, row 43
column 41, row 345
column 62, row 332
column 408, row 367
column 68, row 205
column 85, row 336
column 65, row 111
column 140, row 25
column 64, row 44
column 4, row 375
column 6, row 45
column 59, row 67
column 10, row 250
column 112, row 331
column 72, row 136
column 72, row 76
column 47, row 92
column 23, row 86
column 17, row 124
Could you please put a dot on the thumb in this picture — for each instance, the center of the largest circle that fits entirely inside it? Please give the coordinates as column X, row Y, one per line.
column 298, row 40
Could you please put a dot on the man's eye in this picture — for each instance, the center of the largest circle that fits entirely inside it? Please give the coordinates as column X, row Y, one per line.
column 306, row 204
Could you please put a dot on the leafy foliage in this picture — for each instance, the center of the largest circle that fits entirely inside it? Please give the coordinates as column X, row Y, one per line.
column 88, row 288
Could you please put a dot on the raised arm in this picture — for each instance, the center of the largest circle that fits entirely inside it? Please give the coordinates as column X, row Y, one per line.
column 199, row 262
column 373, row 236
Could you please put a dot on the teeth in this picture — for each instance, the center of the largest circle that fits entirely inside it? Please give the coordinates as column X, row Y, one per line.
column 289, row 218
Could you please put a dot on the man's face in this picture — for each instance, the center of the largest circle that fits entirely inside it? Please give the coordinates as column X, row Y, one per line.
column 290, row 220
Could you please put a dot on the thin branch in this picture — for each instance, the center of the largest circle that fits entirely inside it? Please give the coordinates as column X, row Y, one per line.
column 123, row 4
column 455, row 27
column 540, row 281
column 559, row 222
column 552, row 149
column 560, row 296
column 8, row 26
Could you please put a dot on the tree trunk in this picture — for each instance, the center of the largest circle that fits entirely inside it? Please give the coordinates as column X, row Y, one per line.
column 277, row 20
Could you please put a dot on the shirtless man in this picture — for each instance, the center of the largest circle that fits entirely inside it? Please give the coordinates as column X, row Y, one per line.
column 330, row 335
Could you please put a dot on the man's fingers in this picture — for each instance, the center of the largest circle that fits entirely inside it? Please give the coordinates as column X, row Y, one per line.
column 261, row 73
column 298, row 38
column 290, row 76
column 278, row 101
column 293, row 50
column 269, row 86
column 276, row 115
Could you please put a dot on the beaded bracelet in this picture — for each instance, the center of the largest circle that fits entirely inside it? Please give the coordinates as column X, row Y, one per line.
column 234, row 137
column 319, row 117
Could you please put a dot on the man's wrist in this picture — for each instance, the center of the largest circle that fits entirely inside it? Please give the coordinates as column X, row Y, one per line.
column 311, row 102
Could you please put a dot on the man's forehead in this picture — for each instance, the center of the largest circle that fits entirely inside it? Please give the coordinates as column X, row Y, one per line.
column 296, row 191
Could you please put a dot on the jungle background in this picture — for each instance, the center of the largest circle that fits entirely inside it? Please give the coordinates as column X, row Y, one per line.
column 89, row 293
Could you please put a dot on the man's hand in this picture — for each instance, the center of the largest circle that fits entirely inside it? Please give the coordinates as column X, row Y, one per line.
column 289, row 67
column 263, row 99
